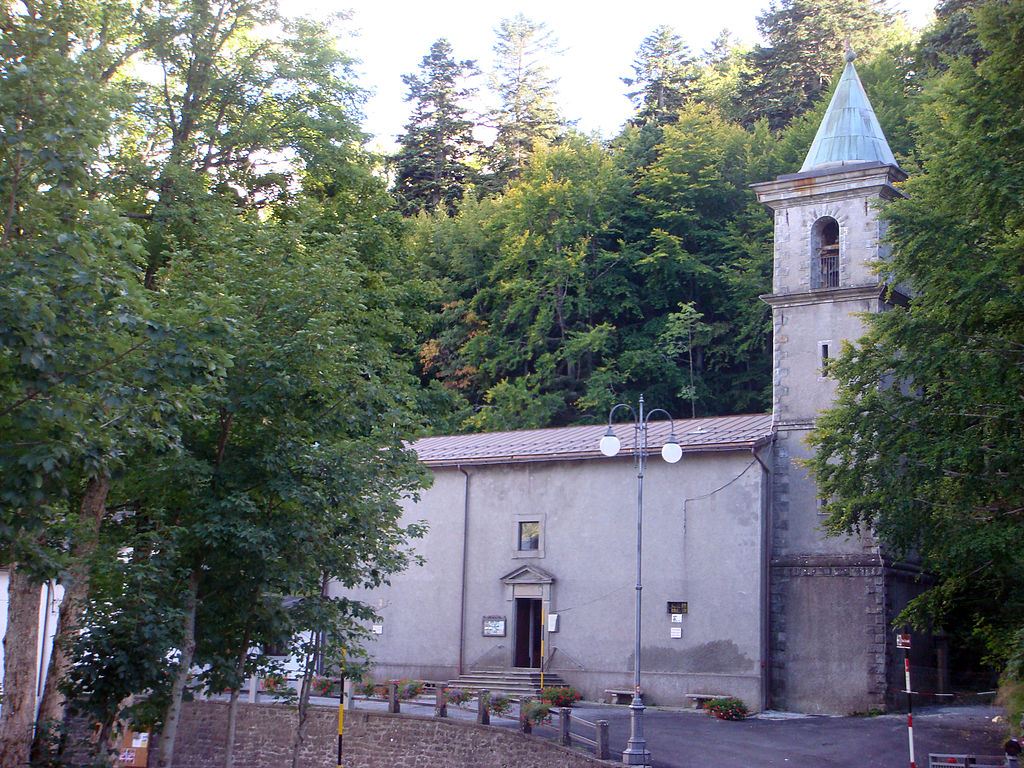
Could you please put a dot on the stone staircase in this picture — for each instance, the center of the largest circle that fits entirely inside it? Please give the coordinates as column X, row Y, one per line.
column 517, row 683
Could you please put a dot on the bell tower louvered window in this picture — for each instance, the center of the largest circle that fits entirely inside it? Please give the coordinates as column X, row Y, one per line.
column 826, row 253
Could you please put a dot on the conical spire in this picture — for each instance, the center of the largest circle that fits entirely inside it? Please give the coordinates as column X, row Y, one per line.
column 849, row 132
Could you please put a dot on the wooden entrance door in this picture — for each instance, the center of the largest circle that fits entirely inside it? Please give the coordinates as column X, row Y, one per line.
column 528, row 632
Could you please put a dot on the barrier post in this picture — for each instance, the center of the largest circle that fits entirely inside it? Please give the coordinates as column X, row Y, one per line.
column 602, row 740
column 564, row 721
column 393, row 706
column 440, row 703
column 483, row 715
column 903, row 641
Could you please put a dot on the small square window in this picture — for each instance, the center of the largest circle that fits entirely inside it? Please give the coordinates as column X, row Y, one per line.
column 529, row 535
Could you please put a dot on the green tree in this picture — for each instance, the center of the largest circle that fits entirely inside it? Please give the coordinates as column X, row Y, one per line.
column 527, row 116
column 923, row 443
column 433, row 166
column 268, row 245
column 804, row 40
column 951, row 35
column 88, row 378
column 701, row 242
column 664, row 75
column 542, row 331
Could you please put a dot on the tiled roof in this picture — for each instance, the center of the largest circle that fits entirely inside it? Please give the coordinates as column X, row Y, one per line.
column 566, row 443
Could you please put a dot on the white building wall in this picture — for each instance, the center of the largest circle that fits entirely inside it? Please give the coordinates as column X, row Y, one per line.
column 704, row 528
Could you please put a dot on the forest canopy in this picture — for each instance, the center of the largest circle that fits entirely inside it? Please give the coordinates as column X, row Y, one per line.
column 223, row 320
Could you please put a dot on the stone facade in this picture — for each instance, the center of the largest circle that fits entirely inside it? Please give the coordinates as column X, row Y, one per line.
column 372, row 739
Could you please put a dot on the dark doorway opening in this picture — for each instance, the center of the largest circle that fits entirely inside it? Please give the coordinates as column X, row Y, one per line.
column 528, row 633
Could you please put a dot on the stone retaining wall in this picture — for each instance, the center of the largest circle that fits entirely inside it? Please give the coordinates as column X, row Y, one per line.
column 372, row 739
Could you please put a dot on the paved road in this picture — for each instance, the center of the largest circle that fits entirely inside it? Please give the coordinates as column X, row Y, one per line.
column 689, row 739
column 694, row 740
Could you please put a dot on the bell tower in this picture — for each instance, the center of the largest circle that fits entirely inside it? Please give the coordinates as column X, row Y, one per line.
column 831, row 598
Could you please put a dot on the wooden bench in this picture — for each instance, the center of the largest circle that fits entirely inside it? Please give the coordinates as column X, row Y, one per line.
column 619, row 696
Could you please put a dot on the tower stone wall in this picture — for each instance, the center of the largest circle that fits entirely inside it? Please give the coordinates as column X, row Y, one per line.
column 831, row 598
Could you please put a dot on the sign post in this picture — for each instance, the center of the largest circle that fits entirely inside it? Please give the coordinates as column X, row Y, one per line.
column 341, row 705
column 903, row 641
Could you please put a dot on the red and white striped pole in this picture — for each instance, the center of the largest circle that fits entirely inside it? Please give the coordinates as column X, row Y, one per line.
column 903, row 641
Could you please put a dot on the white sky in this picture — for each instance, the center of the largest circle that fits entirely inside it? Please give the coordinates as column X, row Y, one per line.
column 598, row 39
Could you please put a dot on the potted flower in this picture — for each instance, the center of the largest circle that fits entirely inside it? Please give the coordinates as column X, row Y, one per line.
column 457, row 696
column 560, row 695
column 728, row 708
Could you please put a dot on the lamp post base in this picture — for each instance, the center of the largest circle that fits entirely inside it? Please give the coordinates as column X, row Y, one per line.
column 636, row 752
column 636, row 756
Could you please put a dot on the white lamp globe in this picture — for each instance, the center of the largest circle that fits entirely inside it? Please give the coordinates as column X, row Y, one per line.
column 609, row 444
column 671, row 452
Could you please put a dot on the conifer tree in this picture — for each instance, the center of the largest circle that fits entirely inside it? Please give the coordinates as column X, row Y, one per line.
column 527, row 116
column 804, row 44
column 664, row 76
column 432, row 168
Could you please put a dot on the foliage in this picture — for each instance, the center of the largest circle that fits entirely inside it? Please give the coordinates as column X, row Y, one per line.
column 663, row 74
column 457, row 696
column 498, row 704
column 534, row 712
column 527, row 117
column 432, row 168
column 251, row 406
column 923, row 441
column 560, row 696
column 371, row 689
column 324, row 686
column 804, row 41
column 728, row 708
column 410, row 689
column 276, row 684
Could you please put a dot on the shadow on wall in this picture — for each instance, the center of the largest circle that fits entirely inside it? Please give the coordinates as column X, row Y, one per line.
column 716, row 657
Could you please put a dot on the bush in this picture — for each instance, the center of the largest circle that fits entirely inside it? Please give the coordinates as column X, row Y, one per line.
column 457, row 696
column 498, row 704
column 369, row 689
column 410, row 689
column 560, row 696
column 727, row 709
column 276, row 684
column 323, row 685
column 533, row 711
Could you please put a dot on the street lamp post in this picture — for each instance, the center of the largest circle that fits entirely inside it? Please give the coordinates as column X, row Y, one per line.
column 636, row 752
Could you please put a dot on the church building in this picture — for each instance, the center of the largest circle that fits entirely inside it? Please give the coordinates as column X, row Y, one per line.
column 531, row 556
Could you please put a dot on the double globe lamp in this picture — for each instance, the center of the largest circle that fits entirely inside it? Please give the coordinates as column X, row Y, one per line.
column 636, row 752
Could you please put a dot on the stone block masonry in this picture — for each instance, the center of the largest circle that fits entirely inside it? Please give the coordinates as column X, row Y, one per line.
column 372, row 739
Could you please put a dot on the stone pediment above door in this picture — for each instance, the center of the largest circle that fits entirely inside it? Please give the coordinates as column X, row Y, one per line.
column 527, row 574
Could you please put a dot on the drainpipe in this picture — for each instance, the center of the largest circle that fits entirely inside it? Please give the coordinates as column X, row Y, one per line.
column 766, row 577
column 465, row 548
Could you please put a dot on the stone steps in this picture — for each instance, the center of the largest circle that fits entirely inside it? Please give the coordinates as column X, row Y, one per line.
column 517, row 683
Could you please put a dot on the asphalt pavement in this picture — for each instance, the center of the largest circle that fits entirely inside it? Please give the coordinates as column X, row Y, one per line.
column 688, row 739
column 685, row 738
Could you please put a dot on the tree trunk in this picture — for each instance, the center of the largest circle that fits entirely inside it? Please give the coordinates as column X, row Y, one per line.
column 229, row 745
column 304, row 689
column 76, row 591
column 20, row 670
column 188, row 648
